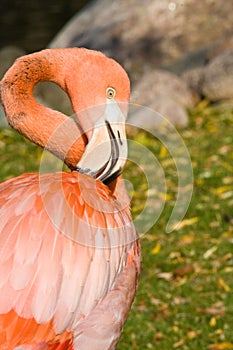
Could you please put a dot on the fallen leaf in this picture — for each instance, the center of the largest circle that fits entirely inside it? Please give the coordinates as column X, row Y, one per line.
column 158, row 336
column 222, row 189
column 165, row 275
column 220, row 346
column 215, row 224
column 180, row 300
column 186, row 239
column 214, row 310
column 227, row 256
column 175, row 329
column 163, row 152
column 177, row 256
column 213, row 322
column 184, row 270
column 155, row 301
column 156, row 249
column 227, row 195
column 228, row 269
column 164, row 196
column 222, row 284
column 181, row 281
column 178, row 344
column 187, row 222
column 224, row 149
column 227, row 180
column 192, row 334
column 209, row 252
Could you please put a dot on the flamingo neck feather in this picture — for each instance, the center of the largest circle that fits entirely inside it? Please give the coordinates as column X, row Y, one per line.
column 46, row 127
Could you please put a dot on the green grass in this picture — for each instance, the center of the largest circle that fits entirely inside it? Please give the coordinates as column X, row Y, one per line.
column 185, row 296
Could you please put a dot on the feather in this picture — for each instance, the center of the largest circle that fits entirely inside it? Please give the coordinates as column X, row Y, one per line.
column 7, row 298
column 59, row 257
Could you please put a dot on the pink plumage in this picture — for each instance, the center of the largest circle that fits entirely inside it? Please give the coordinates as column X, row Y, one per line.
column 69, row 252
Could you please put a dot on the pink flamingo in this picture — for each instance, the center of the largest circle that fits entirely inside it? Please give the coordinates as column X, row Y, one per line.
column 69, row 252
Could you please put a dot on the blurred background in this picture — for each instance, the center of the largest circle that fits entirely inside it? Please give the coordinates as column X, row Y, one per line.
column 183, row 45
column 31, row 25
column 179, row 56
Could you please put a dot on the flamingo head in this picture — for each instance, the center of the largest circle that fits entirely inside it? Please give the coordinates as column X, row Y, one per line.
column 100, row 93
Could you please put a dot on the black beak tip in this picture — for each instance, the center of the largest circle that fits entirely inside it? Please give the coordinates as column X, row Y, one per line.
column 113, row 177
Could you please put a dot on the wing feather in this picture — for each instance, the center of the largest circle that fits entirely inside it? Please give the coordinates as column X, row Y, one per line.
column 5, row 271
column 61, row 247
column 7, row 296
column 20, row 275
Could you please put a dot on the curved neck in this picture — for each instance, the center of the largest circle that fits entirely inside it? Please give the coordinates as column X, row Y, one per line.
column 48, row 128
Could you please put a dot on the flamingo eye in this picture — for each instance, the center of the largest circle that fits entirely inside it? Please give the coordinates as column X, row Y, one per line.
column 110, row 92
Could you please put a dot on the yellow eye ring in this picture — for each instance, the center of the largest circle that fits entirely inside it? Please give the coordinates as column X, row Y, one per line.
column 110, row 92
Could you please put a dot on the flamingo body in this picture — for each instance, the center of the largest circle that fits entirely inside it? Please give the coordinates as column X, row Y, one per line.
column 50, row 299
column 69, row 252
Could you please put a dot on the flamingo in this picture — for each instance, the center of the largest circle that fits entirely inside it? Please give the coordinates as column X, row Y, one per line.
column 69, row 252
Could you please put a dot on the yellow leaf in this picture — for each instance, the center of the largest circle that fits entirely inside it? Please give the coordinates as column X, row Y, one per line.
column 222, row 189
column 156, row 249
column 223, row 285
column 204, row 103
column 221, row 346
column 227, row 234
column 185, row 222
column 163, row 152
column 182, row 281
column 175, row 329
column 213, row 322
column 227, row 166
column 164, row 196
column 199, row 181
column 192, row 334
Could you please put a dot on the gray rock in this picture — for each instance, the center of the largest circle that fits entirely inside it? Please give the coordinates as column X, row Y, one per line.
column 189, row 61
column 151, row 117
column 3, row 121
column 214, row 80
column 165, row 93
column 194, row 79
column 199, row 58
column 218, row 78
column 147, row 35
column 160, row 82
column 51, row 95
column 151, row 34
column 8, row 55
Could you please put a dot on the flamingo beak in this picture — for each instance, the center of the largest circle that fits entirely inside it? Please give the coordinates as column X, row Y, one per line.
column 106, row 151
